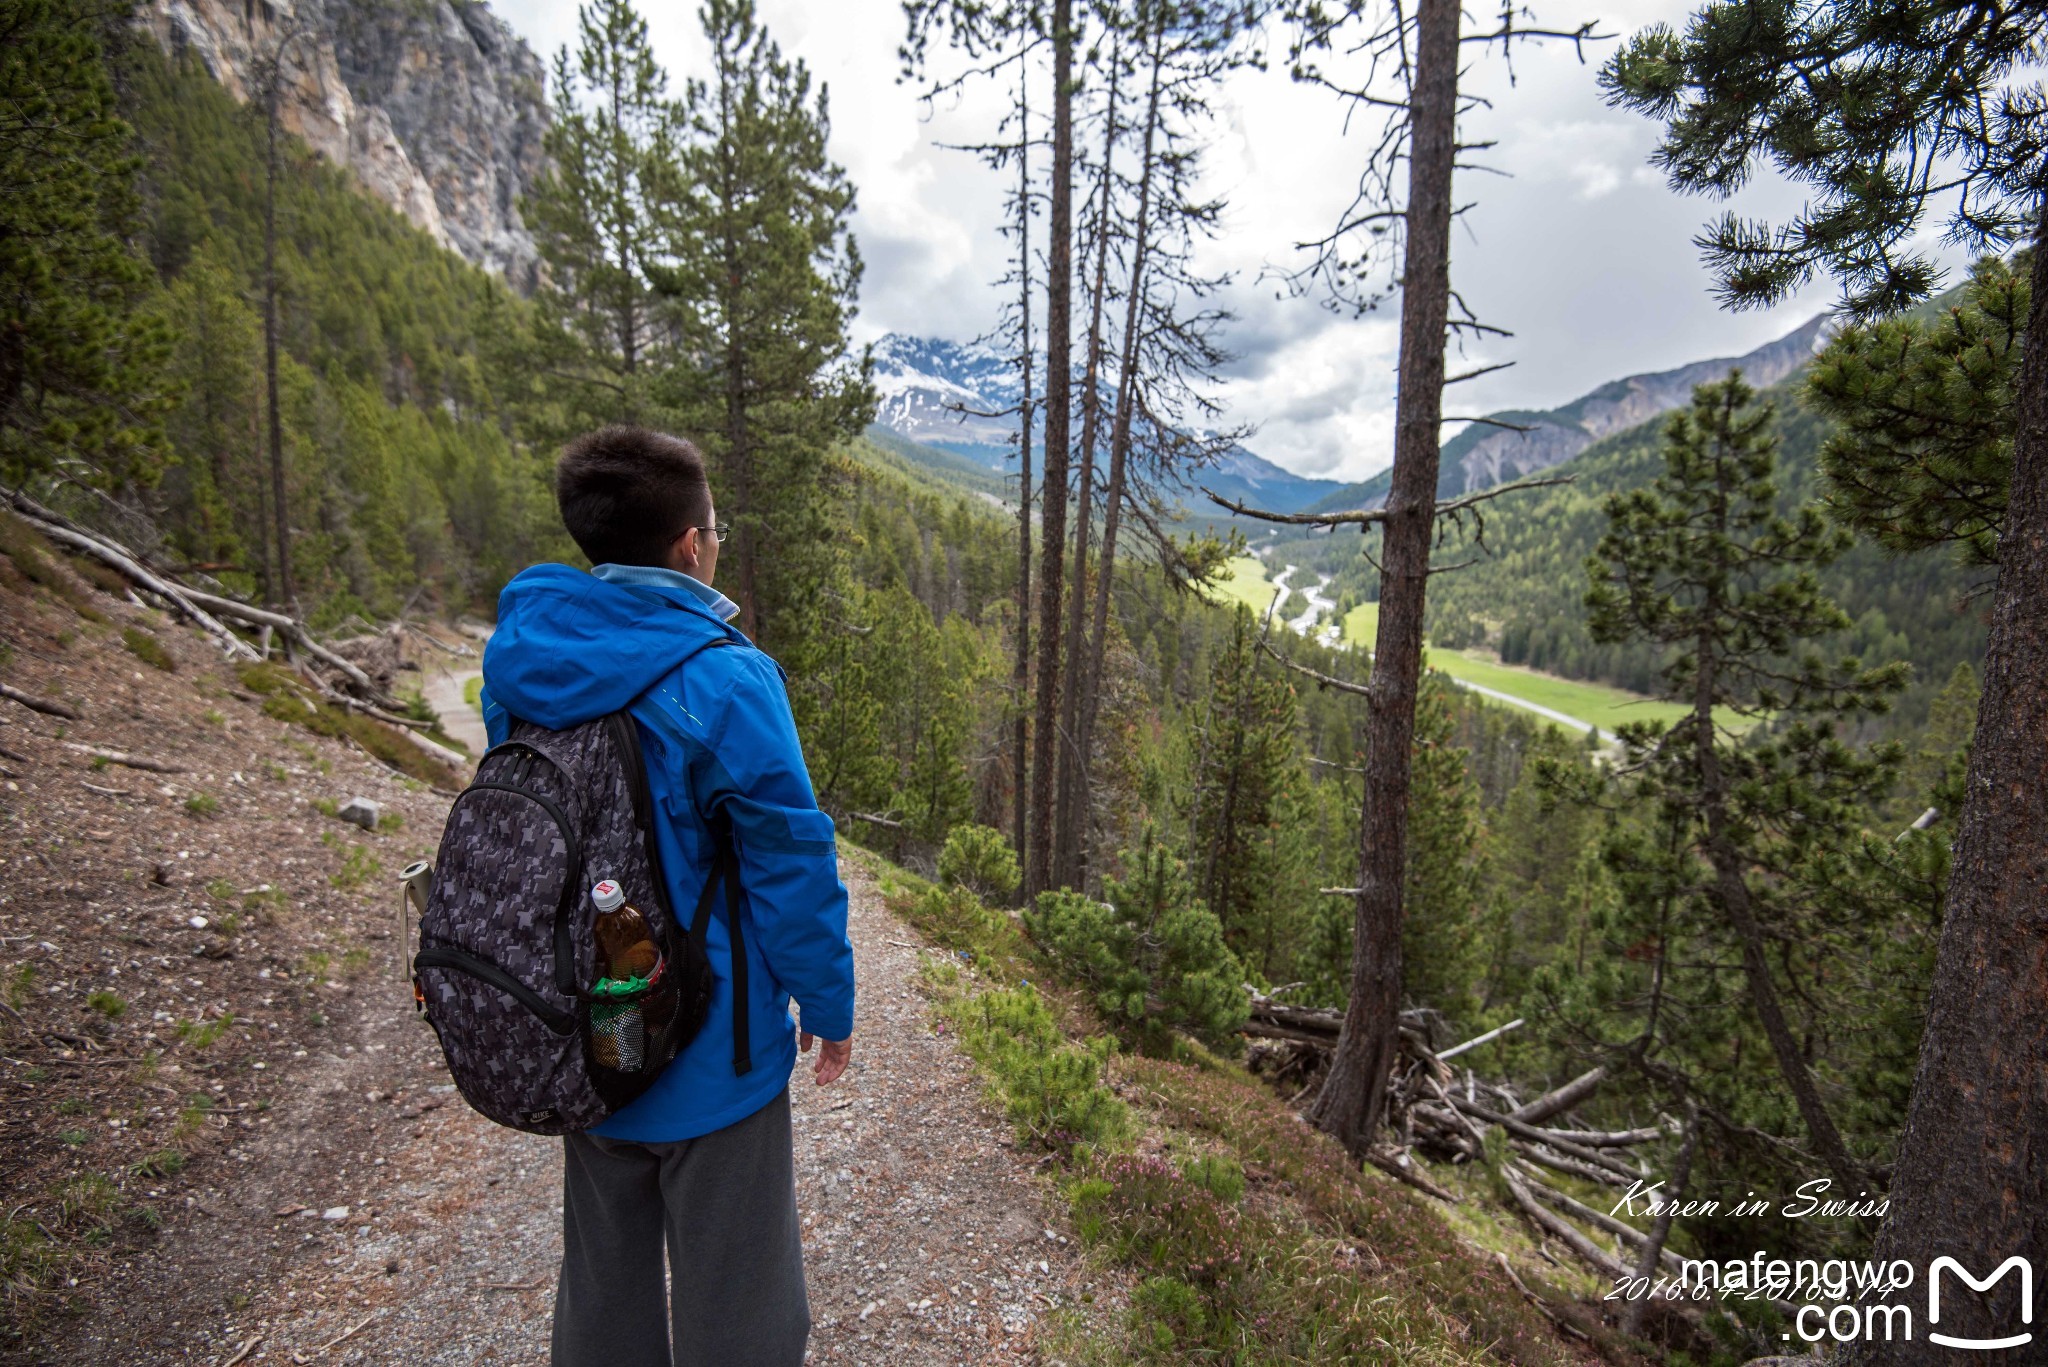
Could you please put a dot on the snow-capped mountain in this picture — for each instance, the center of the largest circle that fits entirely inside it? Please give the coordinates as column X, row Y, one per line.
column 939, row 393
column 933, row 392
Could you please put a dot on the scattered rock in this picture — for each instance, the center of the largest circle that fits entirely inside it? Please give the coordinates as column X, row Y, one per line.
column 334, row 1214
column 361, row 811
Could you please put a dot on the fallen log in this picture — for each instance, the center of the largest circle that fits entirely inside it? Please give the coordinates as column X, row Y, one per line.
column 1588, row 1251
column 118, row 558
column 1390, row 1163
column 1563, row 1099
column 1486, row 1038
column 294, row 631
column 1311, row 1019
column 1571, row 1167
column 49, row 707
column 1259, row 1029
column 126, row 761
column 1609, row 1139
column 1627, row 1232
column 1535, row 1134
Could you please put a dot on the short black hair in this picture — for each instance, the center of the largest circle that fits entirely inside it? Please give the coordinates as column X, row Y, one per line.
column 626, row 493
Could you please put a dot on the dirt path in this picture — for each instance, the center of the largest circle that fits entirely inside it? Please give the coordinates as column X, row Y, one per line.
column 443, row 687
column 927, row 1239
column 228, row 1134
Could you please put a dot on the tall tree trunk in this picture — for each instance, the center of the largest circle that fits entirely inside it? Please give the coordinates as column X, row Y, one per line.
column 1021, row 671
column 282, row 593
column 1731, row 892
column 1972, row 1176
column 1070, row 822
column 738, row 453
column 622, row 220
column 1058, row 413
column 1119, row 444
column 1353, row 1096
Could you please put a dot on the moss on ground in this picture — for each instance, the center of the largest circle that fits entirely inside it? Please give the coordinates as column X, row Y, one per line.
column 287, row 698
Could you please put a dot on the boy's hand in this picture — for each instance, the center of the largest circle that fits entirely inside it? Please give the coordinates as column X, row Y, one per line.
column 832, row 1058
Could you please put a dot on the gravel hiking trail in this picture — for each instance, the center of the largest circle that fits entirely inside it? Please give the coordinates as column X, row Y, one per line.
column 221, row 1115
column 928, row 1237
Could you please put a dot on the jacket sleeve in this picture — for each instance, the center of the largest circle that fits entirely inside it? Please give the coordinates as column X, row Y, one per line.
column 789, row 866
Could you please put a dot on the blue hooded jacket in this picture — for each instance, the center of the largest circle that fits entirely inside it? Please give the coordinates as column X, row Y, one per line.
column 570, row 647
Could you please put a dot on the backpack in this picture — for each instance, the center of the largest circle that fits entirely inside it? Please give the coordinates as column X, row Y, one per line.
column 508, row 953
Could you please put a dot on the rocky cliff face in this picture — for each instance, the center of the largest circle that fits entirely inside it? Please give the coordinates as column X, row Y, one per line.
column 436, row 105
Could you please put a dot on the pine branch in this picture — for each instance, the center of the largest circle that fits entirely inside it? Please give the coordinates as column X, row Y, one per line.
column 1371, row 516
column 1341, row 685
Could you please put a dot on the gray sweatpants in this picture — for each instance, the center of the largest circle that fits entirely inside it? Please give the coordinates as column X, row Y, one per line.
column 725, row 1206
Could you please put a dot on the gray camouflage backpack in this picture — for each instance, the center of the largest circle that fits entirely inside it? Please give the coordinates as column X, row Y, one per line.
column 508, row 955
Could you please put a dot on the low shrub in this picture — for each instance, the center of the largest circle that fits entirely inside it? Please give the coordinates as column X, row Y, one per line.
column 1153, row 955
column 979, row 858
column 1153, row 1217
column 1050, row 1089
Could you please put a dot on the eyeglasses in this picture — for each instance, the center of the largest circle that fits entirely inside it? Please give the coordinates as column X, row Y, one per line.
column 720, row 531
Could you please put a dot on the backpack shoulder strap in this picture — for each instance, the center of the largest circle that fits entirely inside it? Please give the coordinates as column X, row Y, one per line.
column 724, row 869
column 742, row 1055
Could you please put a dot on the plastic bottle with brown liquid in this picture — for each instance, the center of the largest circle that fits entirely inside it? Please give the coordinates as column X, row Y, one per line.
column 627, row 963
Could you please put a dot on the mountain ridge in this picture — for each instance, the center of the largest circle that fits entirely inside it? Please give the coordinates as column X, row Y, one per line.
column 962, row 398
column 1487, row 453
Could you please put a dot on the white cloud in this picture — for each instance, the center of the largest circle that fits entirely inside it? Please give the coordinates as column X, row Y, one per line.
column 1583, row 254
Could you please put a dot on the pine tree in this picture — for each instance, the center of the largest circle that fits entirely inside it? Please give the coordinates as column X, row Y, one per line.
column 1168, row 357
column 1440, row 934
column 214, row 494
column 602, row 215
column 1888, row 111
column 1245, row 783
column 1701, row 564
column 79, row 355
column 763, row 288
column 1921, row 454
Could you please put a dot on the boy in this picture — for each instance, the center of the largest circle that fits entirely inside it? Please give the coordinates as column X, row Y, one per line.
column 701, row 1161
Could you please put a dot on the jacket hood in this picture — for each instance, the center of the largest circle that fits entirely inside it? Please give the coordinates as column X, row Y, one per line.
column 570, row 647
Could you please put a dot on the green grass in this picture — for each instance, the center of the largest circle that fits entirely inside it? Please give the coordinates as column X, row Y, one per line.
column 1596, row 704
column 162, row 1163
column 1245, row 582
column 473, row 691
column 202, row 804
column 203, row 1035
column 108, row 1004
column 20, row 984
column 358, row 867
column 1362, row 626
column 192, row 1118
column 147, row 649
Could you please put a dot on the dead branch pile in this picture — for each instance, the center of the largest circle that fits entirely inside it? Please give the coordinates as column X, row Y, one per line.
column 1437, row 1113
column 231, row 623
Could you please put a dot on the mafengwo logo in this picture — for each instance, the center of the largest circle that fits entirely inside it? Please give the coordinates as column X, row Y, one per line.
column 2013, row 1263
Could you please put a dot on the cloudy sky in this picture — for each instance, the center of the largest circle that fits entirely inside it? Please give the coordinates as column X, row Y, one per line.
column 1582, row 252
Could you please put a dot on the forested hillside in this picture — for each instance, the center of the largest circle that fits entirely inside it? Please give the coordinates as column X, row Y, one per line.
column 1522, row 594
column 403, row 483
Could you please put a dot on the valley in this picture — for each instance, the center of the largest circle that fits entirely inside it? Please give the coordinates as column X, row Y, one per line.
column 1573, row 703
